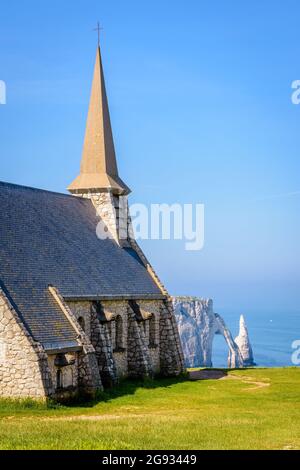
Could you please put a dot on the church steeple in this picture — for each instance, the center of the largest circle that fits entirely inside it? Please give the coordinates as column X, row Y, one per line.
column 98, row 171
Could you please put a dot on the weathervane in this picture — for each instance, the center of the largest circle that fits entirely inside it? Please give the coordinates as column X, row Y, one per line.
column 98, row 29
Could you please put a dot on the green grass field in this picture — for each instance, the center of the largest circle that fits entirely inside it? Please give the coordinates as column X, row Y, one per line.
column 246, row 409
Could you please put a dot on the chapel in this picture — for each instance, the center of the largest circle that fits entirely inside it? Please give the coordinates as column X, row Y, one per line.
column 80, row 305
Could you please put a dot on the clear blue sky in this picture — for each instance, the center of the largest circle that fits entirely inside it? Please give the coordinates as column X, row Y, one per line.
column 200, row 102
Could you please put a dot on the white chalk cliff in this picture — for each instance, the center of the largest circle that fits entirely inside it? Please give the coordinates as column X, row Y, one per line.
column 198, row 324
column 243, row 343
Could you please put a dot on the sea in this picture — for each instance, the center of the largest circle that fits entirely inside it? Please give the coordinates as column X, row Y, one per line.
column 272, row 335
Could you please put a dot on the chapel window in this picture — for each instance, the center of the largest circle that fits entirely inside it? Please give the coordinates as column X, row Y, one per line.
column 59, row 383
column 81, row 323
column 152, row 331
column 118, row 333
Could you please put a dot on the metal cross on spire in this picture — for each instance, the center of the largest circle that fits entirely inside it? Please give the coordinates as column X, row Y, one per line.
column 98, row 29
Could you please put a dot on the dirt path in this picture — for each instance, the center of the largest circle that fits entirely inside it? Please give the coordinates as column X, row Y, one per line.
column 213, row 374
column 249, row 380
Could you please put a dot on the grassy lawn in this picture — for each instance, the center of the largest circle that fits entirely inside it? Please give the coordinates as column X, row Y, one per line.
column 246, row 409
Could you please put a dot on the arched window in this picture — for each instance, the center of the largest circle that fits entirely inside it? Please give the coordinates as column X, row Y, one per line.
column 81, row 323
column 59, row 383
column 119, row 333
column 152, row 331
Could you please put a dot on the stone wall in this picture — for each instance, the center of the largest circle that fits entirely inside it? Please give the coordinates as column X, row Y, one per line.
column 68, row 369
column 74, row 373
column 123, row 338
column 151, row 330
column 128, row 343
column 89, row 381
column 101, row 341
column 24, row 370
column 113, row 212
column 118, row 311
column 171, row 356
column 139, row 359
column 80, row 310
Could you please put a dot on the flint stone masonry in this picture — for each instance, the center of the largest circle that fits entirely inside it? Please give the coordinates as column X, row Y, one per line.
column 136, row 356
column 114, row 215
column 139, row 360
column 27, row 370
column 89, row 381
column 24, row 369
column 69, row 370
column 82, row 309
column 151, row 310
column 101, row 340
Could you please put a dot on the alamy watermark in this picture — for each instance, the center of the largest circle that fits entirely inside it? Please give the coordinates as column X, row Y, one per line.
column 296, row 354
column 295, row 97
column 157, row 222
column 2, row 92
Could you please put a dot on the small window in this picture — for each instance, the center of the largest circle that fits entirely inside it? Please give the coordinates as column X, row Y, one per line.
column 59, row 383
column 119, row 333
column 81, row 323
column 152, row 331
column 109, row 329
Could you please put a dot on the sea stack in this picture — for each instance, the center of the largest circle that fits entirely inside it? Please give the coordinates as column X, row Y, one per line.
column 243, row 343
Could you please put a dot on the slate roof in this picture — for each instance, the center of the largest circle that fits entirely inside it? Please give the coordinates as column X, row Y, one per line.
column 50, row 239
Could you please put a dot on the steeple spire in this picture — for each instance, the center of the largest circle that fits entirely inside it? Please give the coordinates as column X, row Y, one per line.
column 98, row 171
